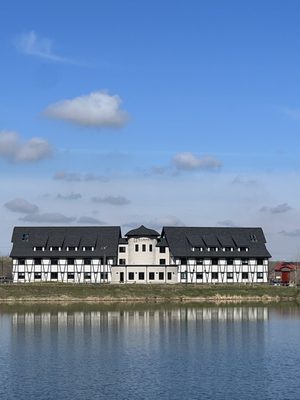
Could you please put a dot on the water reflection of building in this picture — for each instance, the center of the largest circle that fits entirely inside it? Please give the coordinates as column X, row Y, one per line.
column 139, row 317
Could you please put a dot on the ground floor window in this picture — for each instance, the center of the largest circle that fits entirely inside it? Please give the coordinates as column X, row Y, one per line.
column 130, row 276
column 229, row 275
column 260, row 275
column 54, row 275
column 161, row 276
column 87, row 275
column 183, row 275
column 37, row 275
column 214, row 275
column 245, row 275
column 141, row 276
column 21, row 275
column 151, row 276
column 70, row 275
column 199, row 275
column 104, row 275
column 169, row 276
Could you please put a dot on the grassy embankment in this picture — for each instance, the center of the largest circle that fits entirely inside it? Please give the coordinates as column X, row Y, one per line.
column 52, row 292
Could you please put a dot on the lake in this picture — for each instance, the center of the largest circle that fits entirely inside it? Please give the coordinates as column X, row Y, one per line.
column 149, row 352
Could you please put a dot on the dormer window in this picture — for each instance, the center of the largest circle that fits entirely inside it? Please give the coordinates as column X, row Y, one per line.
column 243, row 249
column 227, row 248
column 39, row 248
column 72, row 248
column 55, row 248
column 88, row 248
column 213, row 249
column 253, row 238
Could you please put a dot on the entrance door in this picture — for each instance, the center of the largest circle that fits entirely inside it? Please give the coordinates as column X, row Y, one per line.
column 121, row 276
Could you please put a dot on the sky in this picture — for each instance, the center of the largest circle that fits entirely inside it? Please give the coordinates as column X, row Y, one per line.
column 159, row 113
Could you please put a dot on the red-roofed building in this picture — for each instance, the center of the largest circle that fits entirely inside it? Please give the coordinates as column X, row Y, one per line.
column 285, row 269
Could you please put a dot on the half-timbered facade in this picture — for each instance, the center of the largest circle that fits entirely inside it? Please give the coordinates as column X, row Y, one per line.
column 102, row 255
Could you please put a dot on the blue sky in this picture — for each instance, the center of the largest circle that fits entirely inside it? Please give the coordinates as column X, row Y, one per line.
column 154, row 112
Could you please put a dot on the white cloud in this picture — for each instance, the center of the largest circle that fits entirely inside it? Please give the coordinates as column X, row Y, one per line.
column 112, row 200
column 189, row 161
column 30, row 44
column 52, row 218
column 167, row 220
column 90, row 220
column 227, row 223
column 97, row 109
column 77, row 177
column 69, row 196
column 281, row 208
column 13, row 149
column 20, row 205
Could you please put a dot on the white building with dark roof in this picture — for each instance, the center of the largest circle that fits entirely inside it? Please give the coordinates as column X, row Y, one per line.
column 102, row 255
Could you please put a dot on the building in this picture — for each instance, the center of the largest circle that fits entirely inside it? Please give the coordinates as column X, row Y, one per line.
column 102, row 255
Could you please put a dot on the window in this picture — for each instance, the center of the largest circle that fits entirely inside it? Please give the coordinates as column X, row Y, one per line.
column 161, row 276
column 54, row 275
column 87, row 261
column 71, row 248
column 214, row 275
column 260, row 261
column 70, row 261
column 183, row 275
column 245, row 275
column 199, row 275
column 162, row 261
column 151, row 276
column 199, row 261
column 122, row 249
column 245, row 261
column 243, row 248
column 215, row 261
column 37, row 261
column 88, row 248
column 213, row 249
column 169, row 276
column 25, row 237
column 87, row 275
column 55, row 248
column 37, row 275
column 150, row 247
column 260, row 275
column 141, row 276
column 253, row 238
column 38, row 248
column 162, row 249
column 130, row 276
column 136, row 247
column 70, row 275
column 122, row 261
column 230, row 261
column 143, row 247
column 183, row 261
column 198, row 248
column 21, row 275
column 228, row 249
column 229, row 275
column 54, row 261
column 21, row 261
column 103, row 275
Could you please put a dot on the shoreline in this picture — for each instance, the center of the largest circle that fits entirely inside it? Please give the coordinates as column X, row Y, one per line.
column 179, row 293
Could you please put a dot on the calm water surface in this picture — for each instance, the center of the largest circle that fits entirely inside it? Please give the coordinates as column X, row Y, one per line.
column 161, row 352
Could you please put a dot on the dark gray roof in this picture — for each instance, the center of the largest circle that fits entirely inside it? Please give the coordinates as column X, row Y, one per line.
column 105, row 239
column 142, row 231
column 123, row 241
column 162, row 243
column 183, row 240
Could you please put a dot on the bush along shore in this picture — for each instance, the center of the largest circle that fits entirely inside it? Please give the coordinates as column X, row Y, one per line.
column 62, row 292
